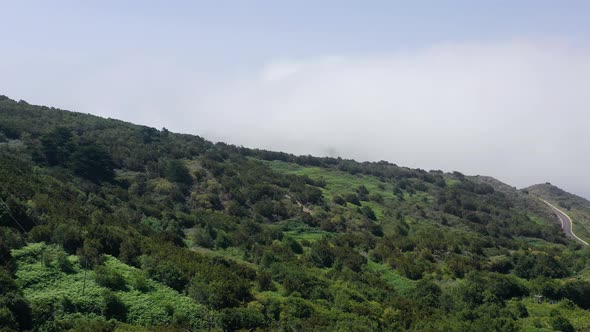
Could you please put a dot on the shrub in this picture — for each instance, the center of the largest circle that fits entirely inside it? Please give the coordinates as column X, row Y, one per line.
column 234, row 319
column 264, row 280
column 93, row 163
column 109, row 278
column 166, row 273
column 561, row 324
column 368, row 212
column 578, row 292
column 91, row 253
column 176, row 171
column 293, row 245
column 322, row 254
column 353, row 199
column 140, row 281
column 339, row 200
column 113, row 307
column 63, row 263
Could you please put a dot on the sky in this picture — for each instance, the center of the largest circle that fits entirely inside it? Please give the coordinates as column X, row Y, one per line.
column 496, row 88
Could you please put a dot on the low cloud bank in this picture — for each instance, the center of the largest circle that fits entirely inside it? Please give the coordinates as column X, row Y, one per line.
column 517, row 111
column 514, row 110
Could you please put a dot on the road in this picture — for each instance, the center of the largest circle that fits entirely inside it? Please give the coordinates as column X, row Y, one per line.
column 566, row 223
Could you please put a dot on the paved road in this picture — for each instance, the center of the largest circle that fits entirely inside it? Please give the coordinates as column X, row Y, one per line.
column 566, row 223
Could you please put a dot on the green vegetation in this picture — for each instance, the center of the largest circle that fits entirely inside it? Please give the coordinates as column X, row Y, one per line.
column 113, row 290
column 577, row 208
column 106, row 225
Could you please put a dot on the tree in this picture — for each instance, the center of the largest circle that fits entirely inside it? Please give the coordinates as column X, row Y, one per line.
column 578, row 291
column 363, row 193
column 91, row 253
column 264, row 281
column 176, row 171
column 57, row 146
column 321, row 254
column 166, row 272
column 337, row 199
column 109, row 278
column 113, row 307
column 427, row 294
column 368, row 212
column 353, row 199
column 93, row 163
column 293, row 245
column 559, row 323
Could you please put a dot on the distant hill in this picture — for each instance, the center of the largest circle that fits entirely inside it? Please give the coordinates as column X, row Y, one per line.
column 107, row 225
column 578, row 208
column 520, row 198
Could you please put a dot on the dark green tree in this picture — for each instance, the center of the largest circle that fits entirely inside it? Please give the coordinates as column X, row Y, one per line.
column 92, row 162
column 176, row 171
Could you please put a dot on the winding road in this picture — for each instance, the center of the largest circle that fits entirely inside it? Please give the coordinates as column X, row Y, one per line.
column 566, row 223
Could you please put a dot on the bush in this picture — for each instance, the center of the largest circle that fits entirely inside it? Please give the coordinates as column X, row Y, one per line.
column 176, row 171
column 91, row 253
column 353, row 199
column 322, row 254
column 168, row 274
column 368, row 212
column 140, row 282
column 561, row 324
column 578, row 292
column 113, row 307
column 363, row 193
column 202, row 237
column 93, row 163
column 339, row 200
column 109, row 278
column 63, row 263
column 293, row 245
column 299, row 308
column 264, row 281
column 242, row 319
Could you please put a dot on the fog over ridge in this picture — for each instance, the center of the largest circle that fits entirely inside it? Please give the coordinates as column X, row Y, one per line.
column 515, row 110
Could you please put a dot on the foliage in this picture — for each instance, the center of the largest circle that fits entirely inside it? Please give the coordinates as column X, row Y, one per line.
column 106, row 225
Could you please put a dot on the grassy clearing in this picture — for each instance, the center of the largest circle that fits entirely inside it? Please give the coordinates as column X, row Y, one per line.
column 338, row 183
column 540, row 243
column 536, row 219
column 342, row 183
column 400, row 283
column 300, row 231
column 451, row 182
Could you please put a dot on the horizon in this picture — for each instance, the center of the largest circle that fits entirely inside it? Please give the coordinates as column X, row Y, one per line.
column 496, row 89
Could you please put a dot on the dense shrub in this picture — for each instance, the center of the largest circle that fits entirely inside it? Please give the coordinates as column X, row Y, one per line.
column 109, row 278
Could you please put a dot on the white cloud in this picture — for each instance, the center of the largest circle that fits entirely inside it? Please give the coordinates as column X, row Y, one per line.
column 515, row 110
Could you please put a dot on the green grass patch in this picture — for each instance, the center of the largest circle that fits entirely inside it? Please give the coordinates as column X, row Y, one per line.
column 391, row 276
column 338, row 182
column 56, row 294
column 540, row 243
column 300, row 231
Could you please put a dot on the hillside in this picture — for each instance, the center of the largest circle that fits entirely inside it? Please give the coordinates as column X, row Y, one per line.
column 576, row 207
column 521, row 199
column 103, row 223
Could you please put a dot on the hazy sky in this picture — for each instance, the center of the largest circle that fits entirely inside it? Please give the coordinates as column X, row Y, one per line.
column 498, row 88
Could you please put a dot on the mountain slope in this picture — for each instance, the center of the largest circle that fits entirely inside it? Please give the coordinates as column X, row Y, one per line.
column 576, row 207
column 520, row 198
column 268, row 240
